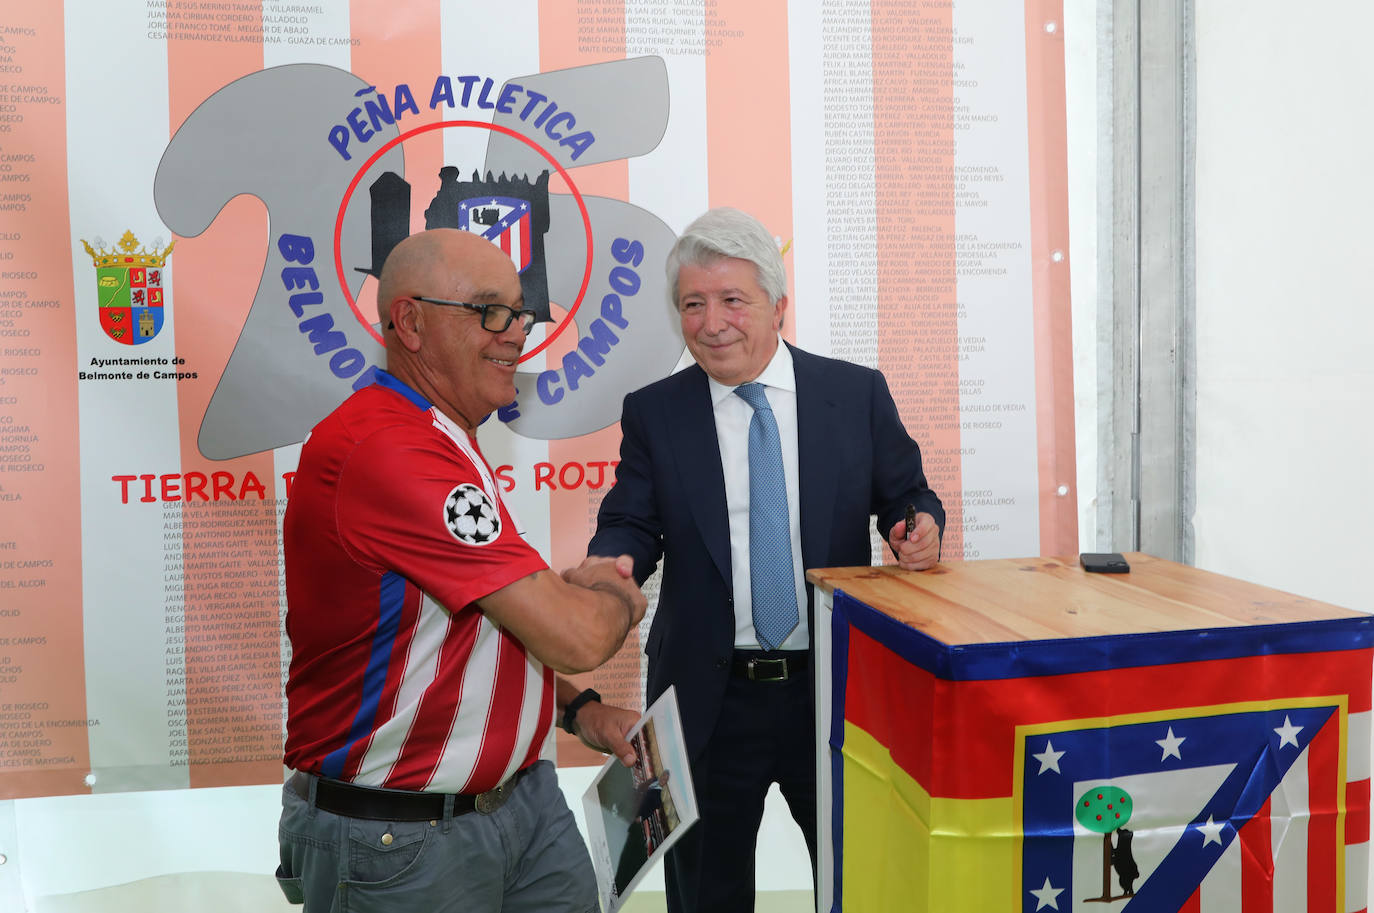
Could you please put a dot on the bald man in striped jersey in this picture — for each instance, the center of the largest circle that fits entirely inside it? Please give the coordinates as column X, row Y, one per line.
column 425, row 630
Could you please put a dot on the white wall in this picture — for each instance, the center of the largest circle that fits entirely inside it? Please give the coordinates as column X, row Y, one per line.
column 1285, row 298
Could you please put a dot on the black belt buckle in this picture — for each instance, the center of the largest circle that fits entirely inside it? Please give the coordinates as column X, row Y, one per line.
column 760, row 669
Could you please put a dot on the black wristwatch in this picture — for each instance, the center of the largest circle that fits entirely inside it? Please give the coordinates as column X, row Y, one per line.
column 574, row 705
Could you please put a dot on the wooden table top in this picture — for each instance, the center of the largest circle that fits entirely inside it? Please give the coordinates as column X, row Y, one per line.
column 1013, row 599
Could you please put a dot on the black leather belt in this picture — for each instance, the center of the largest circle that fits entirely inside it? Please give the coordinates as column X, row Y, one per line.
column 770, row 667
column 375, row 804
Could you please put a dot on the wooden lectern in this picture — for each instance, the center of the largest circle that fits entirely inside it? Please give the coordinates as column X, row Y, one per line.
column 1020, row 735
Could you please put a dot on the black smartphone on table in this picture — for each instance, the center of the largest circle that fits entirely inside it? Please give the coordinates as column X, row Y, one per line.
column 1104, row 562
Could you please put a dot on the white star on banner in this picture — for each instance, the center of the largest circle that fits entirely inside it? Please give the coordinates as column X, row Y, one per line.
column 1170, row 745
column 1049, row 758
column 1047, row 896
column 1211, row 832
column 1288, row 733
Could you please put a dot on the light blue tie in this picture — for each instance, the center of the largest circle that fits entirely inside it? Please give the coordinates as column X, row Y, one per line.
column 772, row 582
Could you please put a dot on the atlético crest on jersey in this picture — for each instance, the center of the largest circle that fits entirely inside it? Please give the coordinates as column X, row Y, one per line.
column 128, row 282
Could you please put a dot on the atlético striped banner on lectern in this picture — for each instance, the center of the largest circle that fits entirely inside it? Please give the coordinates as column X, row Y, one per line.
column 1208, row 770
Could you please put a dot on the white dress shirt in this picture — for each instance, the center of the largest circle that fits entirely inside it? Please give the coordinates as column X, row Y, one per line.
column 733, row 415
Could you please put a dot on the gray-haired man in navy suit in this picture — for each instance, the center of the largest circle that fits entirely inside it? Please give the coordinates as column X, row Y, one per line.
column 739, row 473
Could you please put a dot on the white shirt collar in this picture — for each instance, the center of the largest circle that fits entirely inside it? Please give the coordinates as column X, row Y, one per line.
column 777, row 373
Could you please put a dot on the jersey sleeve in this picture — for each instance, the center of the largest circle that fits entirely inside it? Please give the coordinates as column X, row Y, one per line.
column 410, row 501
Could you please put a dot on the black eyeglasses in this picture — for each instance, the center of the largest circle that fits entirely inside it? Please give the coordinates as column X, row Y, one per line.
column 495, row 317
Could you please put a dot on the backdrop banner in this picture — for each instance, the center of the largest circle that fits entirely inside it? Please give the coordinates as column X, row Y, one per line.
column 196, row 197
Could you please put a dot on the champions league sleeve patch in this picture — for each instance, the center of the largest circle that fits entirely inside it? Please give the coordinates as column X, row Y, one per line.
column 471, row 517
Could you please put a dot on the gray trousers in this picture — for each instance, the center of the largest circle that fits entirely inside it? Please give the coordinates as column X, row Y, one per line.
column 526, row 856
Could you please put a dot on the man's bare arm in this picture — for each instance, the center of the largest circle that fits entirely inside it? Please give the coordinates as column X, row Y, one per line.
column 601, row 727
column 571, row 623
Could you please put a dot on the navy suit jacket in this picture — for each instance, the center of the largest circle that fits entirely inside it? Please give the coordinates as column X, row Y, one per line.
column 856, row 460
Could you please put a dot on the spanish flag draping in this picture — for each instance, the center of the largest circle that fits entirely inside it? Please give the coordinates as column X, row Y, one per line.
column 1206, row 770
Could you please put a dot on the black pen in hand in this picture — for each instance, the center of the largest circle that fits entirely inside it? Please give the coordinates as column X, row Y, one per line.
column 910, row 521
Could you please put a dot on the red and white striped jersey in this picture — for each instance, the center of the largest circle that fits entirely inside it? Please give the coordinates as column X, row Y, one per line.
column 394, row 529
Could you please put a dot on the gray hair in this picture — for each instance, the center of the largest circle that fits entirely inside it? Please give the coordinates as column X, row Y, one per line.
column 727, row 232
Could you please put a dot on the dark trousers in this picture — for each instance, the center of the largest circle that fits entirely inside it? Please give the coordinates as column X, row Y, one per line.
column 765, row 735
